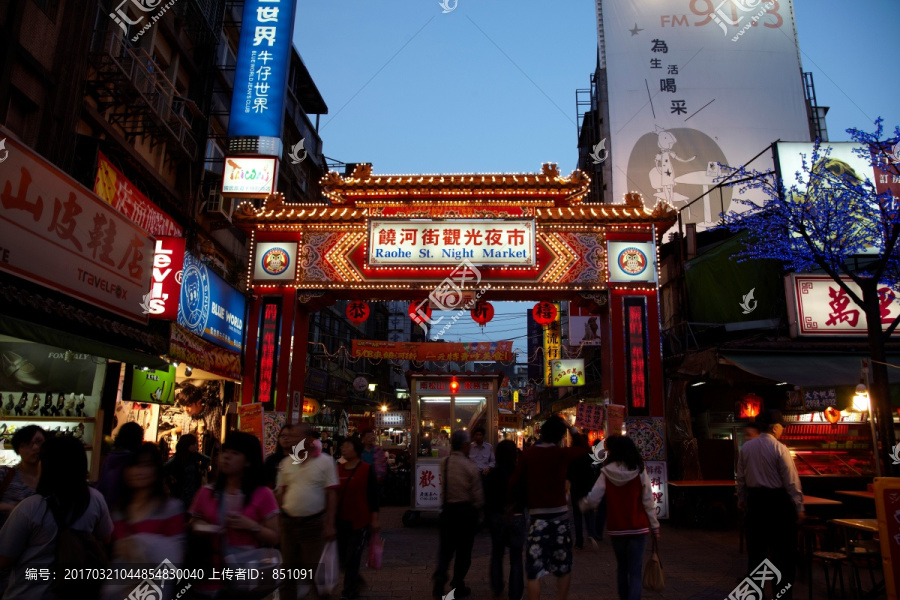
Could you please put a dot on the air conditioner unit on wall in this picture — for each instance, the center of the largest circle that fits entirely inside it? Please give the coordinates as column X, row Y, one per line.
column 218, row 204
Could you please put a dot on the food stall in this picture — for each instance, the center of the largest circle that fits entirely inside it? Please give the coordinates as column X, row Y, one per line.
column 442, row 403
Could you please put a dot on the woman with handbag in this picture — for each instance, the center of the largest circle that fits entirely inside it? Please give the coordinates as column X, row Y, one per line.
column 148, row 526
column 239, row 514
column 357, row 513
column 630, row 511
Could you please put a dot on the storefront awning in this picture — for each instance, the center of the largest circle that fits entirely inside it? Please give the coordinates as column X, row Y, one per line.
column 806, row 370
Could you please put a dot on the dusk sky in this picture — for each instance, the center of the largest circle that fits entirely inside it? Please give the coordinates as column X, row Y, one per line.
column 490, row 86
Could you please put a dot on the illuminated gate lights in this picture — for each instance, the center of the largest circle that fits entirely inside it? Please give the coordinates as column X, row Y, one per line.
column 572, row 246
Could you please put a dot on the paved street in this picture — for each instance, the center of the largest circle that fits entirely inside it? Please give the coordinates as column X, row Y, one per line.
column 698, row 564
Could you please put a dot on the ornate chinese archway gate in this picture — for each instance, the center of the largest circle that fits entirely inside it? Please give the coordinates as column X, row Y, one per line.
column 398, row 237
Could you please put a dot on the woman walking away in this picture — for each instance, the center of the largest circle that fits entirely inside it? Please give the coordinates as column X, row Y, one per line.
column 357, row 513
column 630, row 512
column 63, row 499
column 148, row 526
column 506, row 518
column 186, row 470
column 239, row 512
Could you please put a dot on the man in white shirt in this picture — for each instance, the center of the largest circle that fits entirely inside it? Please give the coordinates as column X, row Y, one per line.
column 769, row 490
column 306, row 490
column 481, row 452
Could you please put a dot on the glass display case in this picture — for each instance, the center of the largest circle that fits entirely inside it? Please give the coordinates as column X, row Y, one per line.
column 843, row 464
column 822, row 449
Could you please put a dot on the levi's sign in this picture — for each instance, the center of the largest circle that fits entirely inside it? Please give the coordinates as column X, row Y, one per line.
column 446, row 242
column 168, row 261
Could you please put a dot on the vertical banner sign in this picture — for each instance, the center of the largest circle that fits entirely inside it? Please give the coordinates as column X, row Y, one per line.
column 161, row 302
column 636, row 352
column 261, row 72
column 659, row 480
column 552, row 345
column 268, row 354
column 428, row 485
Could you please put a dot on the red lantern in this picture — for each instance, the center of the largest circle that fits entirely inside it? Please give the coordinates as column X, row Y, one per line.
column 750, row 406
column 544, row 313
column 357, row 312
column 832, row 415
column 420, row 311
column 483, row 313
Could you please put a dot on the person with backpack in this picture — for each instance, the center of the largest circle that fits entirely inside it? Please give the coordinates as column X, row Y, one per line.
column 505, row 515
column 66, row 524
column 149, row 527
column 630, row 511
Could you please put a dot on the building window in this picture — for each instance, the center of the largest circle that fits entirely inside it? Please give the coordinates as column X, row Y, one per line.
column 22, row 117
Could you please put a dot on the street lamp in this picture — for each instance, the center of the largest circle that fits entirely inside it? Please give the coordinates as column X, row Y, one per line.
column 384, row 408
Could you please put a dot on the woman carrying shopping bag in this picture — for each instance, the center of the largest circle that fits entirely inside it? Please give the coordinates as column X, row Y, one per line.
column 357, row 513
column 630, row 512
column 239, row 516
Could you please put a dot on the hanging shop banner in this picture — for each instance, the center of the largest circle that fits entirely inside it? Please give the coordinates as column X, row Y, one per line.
column 398, row 419
column 186, row 347
column 28, row 367
column 567, row 372
column 637, row 351
column 151, row 386
column 589, row 416
column 584, row 327
column 507, row 421
column 678, row 72
column 659, row 486
column 822, row 307
column 552, row 346
column 209, row 307
column 250, row 177
column 428, row 485
column 274, row 261
column 434, row 351
column 266, row 368
column 819, row 399
column 161, row 302
column 447, row 242
column 118, row 191
column 631, row 262
column 251, row 420
column 57, row 233
column 261, row 72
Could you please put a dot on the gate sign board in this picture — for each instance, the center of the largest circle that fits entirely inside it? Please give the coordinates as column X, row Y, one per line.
column 275, row 261
column 447, row 242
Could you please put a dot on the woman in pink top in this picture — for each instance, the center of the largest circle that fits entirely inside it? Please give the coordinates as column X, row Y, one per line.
column 240, row 493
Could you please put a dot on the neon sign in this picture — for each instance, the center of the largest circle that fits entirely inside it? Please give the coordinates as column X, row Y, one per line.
column 268, row 353
column 637, row 369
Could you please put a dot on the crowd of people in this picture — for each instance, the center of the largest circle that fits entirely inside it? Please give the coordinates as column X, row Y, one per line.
column 312, row 491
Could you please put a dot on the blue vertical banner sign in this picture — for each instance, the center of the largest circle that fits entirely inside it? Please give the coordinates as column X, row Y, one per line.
column 261, row 73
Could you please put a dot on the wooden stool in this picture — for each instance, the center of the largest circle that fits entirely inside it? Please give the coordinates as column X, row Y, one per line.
column 835, row 559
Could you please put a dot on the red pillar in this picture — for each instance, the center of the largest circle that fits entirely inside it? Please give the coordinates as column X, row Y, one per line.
column 297, row 381
column 248, row 387
column 288, row 312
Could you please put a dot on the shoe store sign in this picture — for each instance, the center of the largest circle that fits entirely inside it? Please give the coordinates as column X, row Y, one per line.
column 57, row 233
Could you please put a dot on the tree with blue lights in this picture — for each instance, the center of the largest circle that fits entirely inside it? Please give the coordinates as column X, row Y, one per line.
column 825, row 218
